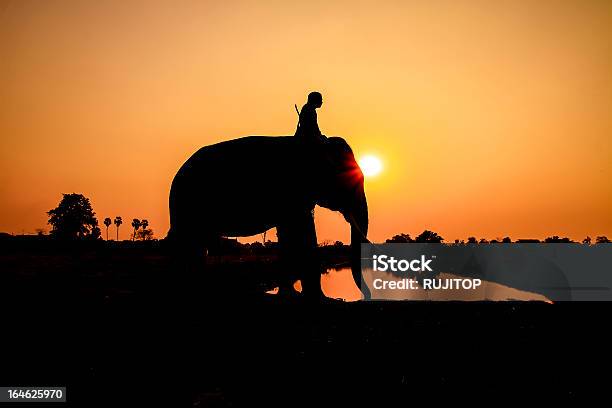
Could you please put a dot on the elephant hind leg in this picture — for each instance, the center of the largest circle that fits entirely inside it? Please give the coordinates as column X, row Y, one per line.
column 297, row 238
column 190, row 274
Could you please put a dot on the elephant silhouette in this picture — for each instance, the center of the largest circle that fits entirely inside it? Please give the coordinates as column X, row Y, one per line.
column 222, row 191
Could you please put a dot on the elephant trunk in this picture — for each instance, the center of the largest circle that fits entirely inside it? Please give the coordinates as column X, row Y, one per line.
column 358, row 218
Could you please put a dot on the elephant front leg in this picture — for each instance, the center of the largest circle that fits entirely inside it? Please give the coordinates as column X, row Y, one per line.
column 297, row 238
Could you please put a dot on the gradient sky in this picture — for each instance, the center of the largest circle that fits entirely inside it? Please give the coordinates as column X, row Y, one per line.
column 492, row 118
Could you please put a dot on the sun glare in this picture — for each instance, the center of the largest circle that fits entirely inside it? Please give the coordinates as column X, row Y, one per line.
column 370, row 165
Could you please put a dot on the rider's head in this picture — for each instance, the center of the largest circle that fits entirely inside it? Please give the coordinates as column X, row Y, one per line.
column 315, row 99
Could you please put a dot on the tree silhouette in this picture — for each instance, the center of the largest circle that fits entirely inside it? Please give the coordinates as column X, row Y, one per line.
column 556, row 239
column 144, row 224
column 145, row 234
column 135, row 225
column 74, row 218
column 432, row 237
column 107, row 223
column 400, row 238
column 118, row 221
column 429, row 237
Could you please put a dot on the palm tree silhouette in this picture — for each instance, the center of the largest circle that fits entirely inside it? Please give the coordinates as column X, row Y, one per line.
column 118, row 222
column 144, row 224
column 107, row 222
column 136, row 225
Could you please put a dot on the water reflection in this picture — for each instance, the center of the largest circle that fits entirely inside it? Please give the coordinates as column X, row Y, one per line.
column 338, row 284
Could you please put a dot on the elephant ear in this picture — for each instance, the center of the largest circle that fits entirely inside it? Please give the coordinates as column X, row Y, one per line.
column 337, row 152
column 341, row 159
column 338, row 145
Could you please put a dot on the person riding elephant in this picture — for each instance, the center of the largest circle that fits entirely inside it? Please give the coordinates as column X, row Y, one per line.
column 308, row 128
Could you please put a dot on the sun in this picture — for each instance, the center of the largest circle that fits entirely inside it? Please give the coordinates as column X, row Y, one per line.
column 370, row 165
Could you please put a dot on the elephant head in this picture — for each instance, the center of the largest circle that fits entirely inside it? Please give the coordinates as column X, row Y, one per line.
column 340, row 188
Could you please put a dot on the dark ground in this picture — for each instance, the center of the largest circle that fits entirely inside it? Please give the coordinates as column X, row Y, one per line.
column 109, row 325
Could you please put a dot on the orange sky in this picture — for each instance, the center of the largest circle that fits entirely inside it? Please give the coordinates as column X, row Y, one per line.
column 490, row 119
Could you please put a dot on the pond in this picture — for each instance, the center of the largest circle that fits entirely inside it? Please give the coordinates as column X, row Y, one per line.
column 339, row 284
